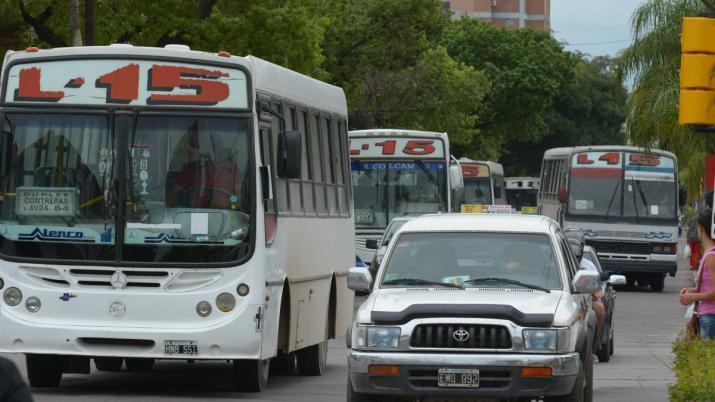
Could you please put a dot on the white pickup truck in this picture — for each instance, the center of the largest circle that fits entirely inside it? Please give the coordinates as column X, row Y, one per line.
column 474, row 306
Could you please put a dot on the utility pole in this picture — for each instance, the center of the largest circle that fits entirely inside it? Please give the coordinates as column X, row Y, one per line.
column 75, row 30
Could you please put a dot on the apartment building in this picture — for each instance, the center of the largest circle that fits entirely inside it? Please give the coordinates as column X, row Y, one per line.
column 534, row 14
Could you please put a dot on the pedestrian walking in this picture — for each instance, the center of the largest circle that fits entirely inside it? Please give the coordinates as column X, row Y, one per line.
column 703, row 294
column 12, row 387
column 694, row 244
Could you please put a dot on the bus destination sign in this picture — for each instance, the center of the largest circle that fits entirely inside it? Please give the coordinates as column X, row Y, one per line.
column 126, row 83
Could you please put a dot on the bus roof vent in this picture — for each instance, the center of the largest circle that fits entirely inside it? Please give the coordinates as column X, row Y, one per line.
column 177, row 47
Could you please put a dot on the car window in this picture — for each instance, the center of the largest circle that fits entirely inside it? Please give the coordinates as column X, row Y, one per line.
column 570, row 259
column 465, row 258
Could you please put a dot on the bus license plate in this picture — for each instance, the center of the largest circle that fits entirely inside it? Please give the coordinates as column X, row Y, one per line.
column 181, row 348
column 452, row 377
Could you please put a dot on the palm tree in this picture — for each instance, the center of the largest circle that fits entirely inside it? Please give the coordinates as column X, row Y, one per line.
column 652, row 63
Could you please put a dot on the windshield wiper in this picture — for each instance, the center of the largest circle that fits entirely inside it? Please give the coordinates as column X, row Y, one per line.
column 362, row 165
column 416, row 281
column 509, row 281
column 613, row 197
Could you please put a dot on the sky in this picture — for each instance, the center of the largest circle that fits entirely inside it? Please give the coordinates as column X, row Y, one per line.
column 595, row 27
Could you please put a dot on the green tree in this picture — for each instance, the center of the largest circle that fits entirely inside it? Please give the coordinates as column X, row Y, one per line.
column 385, row 54
column 589, row 111
column 652, row 64
column 527, row 71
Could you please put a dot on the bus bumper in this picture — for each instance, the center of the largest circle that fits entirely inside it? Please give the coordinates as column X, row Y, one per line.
column 235, row 339
column 627, row 267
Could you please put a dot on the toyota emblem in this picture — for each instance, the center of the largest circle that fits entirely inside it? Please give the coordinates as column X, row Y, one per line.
column 119, row 280
column 461, row 335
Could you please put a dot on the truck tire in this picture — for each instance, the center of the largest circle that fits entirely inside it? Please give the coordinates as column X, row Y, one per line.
column 657, row 283
column 44, row 370
column 355, row 397
column 604, row 352
column 583, row 388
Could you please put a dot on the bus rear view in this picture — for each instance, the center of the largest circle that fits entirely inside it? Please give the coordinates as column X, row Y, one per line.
column 625, row 200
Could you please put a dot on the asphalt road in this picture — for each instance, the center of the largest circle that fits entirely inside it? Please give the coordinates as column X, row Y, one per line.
column 646, row 325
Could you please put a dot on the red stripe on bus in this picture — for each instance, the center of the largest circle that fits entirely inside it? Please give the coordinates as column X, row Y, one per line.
column 596, row 173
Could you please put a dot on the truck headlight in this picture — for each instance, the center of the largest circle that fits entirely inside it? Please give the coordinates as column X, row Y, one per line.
column 540, row 339
column 369, row 337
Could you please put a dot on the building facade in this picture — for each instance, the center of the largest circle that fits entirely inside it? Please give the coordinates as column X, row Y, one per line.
column 534, row 14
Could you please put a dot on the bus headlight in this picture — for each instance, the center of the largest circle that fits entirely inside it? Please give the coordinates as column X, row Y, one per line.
column 12, row 296
column 33, row 304
column 225, row 302
column 203, row 309
column 540, row 339
column 369, row 337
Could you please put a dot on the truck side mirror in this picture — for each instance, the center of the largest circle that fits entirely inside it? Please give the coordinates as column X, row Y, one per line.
column 359, row 279
column 290, row 147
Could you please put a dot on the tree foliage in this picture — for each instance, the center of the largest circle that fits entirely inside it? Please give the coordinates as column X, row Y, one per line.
column 499, row 94
column 527, row 70
column 652, row 63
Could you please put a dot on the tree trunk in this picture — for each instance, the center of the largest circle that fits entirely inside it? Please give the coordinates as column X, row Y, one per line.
column 75, row 32
column 89, row 22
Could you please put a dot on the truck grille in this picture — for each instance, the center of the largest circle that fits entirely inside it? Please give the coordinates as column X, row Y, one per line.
column 619, row 247
column 488, row 379
column 443, row 336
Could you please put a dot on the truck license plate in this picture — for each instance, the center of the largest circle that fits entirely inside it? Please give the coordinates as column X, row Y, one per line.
column 455, row 377
column 181, row 348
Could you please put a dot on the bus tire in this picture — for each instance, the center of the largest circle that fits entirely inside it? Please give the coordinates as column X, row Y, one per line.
column 108, row 363
column 44, row 370
column 657, row 283
column 251, row 375
column 313, row 359
column 283, row 364
column 139, row 365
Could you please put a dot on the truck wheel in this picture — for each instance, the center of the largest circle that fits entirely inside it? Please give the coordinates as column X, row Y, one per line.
column 583, row 388
column 108, row 363
column 44, row 370
column 251, row 375
column 604, row 352
column 611, row 345
column 657, row 283
column 631, row 281
column 355, row 397
column 140, row 365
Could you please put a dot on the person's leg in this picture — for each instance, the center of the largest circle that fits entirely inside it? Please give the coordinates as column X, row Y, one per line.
column 600, row 311
column 707, row 326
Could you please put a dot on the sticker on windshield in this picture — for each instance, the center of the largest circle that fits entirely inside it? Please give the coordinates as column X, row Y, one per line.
column 654, row 210
column 582, row 204
column 56, row 234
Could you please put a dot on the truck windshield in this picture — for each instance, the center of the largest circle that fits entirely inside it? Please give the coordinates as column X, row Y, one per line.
column 385, row 190
column 472, row 259
column 185, row 188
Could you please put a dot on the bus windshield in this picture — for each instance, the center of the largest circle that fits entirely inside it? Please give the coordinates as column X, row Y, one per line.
column 385, row 190
column 475, row 191
column 185, row 188
column 631, row 185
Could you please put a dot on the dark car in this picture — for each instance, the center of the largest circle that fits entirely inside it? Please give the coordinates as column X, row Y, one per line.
column 604, row 339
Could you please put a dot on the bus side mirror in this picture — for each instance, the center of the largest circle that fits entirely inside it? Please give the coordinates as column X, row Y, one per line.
column 290, row 147
column 456, row 179
column 562, row 195
column 371, row 244
column 682, row 196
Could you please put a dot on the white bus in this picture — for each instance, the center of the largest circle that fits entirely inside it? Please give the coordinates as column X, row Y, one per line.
column 397, row 173
column 154, row 204
column 483, row 184
column 522, row 193
column 626, row 202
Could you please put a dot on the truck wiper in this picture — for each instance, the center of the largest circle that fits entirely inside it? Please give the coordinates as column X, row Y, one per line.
column 509, row 281
column 362, row 165
column 416, row 281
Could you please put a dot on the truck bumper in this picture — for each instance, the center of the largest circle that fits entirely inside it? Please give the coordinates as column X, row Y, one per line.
column 500, row 374
column 616, row 266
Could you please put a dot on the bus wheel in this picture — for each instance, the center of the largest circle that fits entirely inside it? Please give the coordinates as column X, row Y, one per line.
column 313, row 359
column 657, row 283
column 108, row 363
column 251, row 375
column 44, row 370
column 631, row 281
column 140, row 365
column 283, row 364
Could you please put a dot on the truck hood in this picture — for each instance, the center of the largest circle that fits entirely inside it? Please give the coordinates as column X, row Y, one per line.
column 404, row 304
